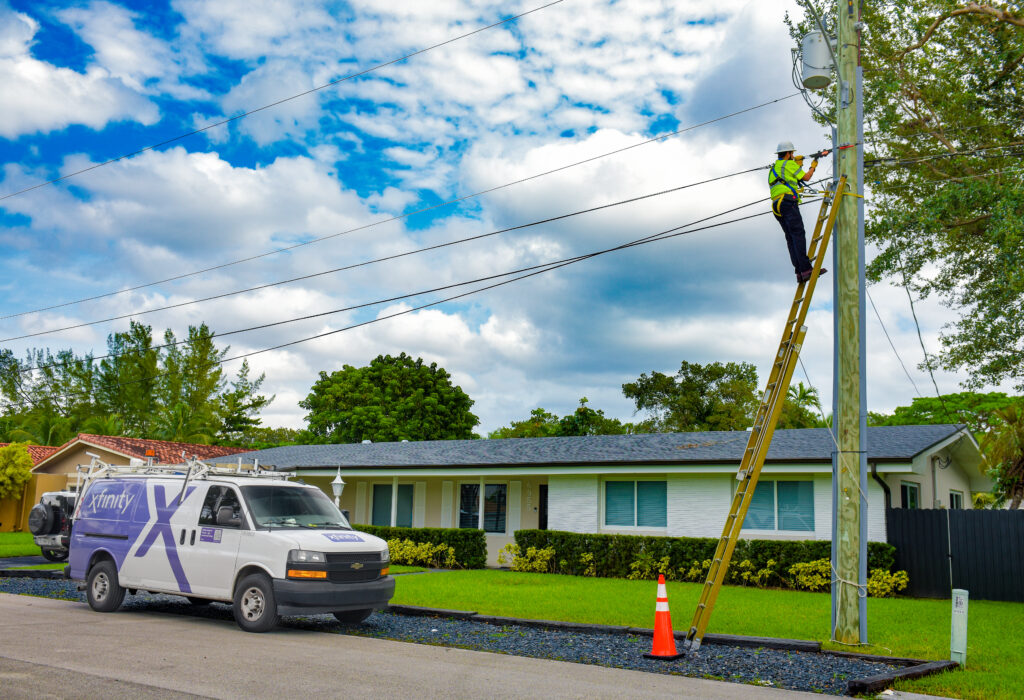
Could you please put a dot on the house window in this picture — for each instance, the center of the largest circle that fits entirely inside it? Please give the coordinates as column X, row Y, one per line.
column 495, row 503
column 781, row 505
column 910, row 494
column 635, row 504
column 381, row 514
column 956, row 500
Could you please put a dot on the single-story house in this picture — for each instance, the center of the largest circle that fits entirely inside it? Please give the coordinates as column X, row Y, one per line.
column 675, row 484
column 62, row 462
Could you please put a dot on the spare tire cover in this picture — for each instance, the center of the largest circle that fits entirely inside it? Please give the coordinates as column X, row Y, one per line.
column 40, row 519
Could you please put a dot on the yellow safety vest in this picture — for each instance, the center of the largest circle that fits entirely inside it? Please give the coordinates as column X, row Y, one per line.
column 785, row 177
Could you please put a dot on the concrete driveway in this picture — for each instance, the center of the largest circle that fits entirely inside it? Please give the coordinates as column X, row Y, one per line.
column 61, row 649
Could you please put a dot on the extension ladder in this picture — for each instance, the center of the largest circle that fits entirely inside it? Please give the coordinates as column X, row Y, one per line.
column 766, row 418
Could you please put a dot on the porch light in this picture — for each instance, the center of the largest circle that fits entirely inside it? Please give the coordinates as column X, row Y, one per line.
column 337, row 486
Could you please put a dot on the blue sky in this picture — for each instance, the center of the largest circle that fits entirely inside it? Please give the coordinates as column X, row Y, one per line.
column 89, row 81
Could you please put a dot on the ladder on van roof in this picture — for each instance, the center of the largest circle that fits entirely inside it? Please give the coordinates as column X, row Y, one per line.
column 766, row 418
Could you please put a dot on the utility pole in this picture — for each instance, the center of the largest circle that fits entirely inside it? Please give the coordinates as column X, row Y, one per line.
column 849, row 464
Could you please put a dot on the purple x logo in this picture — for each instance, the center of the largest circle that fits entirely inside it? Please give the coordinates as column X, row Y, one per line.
column 162, row 528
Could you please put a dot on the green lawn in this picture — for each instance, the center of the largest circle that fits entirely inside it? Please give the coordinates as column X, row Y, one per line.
column 18, row 544
column 900, row 626
column 58, row 565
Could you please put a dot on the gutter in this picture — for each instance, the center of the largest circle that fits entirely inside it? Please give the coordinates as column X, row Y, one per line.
column 881, row 482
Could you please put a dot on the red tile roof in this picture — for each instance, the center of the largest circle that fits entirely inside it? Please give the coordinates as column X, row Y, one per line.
column 37, row 452
column 163, row 451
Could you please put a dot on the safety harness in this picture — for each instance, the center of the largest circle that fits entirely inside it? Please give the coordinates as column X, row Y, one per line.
column 777, row 202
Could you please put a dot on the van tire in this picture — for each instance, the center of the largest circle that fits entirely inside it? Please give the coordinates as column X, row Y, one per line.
column 255, row 608
column 352, row 617
column 54, row 554
column 102, row 589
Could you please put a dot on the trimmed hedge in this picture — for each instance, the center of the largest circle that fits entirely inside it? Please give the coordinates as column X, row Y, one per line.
column 470, row 545
column 613, row 554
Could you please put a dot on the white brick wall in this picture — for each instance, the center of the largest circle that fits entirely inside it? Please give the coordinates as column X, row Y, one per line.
column 697, row 506
column 573, row 503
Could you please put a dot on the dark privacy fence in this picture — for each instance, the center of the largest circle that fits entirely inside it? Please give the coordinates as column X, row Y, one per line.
column 984, row 549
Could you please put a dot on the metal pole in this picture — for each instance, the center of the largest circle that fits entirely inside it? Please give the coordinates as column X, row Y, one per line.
column 850, row 417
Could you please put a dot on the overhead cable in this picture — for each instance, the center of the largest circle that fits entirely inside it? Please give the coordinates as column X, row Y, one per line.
column 385, row 258
column 281, row 101
column 399, row 217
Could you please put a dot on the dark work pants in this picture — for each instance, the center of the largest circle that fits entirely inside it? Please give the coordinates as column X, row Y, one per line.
column 796, row 240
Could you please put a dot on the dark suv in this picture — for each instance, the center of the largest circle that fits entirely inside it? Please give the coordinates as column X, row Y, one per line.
column 49, row 521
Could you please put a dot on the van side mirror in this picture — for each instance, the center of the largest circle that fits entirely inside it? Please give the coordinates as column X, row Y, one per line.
column 226, row 517
column 345, row 513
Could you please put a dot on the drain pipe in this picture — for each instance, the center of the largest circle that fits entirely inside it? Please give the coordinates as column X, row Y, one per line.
column 881, row 482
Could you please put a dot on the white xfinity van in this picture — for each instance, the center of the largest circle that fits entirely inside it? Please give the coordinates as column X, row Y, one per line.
column 269, row 546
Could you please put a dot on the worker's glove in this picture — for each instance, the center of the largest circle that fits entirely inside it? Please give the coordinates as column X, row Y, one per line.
column 814, row 163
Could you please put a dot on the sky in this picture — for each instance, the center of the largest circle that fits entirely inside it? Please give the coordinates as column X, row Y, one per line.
column 87, row 82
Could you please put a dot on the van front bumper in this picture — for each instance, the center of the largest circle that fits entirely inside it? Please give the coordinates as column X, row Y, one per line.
column 318, row 597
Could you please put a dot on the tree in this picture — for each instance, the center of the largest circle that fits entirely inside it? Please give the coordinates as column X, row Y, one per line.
column 15, row 470
column 239, row 408
column 394, row 398
column 715, row 396
column 583, row 421
column 797, row 410
column 977, row 411
column 1003, row 447
column 943, row 80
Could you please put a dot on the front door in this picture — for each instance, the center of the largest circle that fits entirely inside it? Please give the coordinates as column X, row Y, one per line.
column 210, row 546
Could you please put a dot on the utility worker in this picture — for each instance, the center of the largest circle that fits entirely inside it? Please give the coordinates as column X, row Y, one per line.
column 786, row 178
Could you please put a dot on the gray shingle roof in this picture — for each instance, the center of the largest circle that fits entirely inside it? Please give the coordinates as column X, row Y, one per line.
column 890, row 443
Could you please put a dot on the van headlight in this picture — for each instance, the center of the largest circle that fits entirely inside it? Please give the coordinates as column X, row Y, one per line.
column 304, row 556
column 385, row 555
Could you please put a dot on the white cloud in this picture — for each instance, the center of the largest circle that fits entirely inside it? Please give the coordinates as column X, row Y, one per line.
column 43, row 97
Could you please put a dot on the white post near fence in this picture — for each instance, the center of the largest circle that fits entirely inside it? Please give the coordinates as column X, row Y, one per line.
column 958, row 628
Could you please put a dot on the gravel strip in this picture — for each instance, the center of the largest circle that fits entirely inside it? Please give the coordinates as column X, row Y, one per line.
column 784, row 669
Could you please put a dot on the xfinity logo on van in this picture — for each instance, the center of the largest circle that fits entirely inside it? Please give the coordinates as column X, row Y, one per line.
column 342, row 537
column 119, row 502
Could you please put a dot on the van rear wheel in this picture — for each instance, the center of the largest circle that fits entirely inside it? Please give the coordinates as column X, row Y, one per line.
column 102, row 589
column 255, row 608
column 54, row 554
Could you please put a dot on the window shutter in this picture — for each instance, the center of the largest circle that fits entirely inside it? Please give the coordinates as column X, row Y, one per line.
column 381, row 505
column 651, row 504
column 761, row 514
column 618, row 503
column 796, row 505
column 403, row 511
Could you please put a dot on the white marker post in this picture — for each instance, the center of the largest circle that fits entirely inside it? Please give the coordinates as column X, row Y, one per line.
column 958, row 628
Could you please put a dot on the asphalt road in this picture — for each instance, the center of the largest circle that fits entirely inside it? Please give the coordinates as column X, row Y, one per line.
column 60, row 649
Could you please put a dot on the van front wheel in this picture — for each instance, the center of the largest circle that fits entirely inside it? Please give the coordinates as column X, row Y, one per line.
column 255, row 607
column 102, row 589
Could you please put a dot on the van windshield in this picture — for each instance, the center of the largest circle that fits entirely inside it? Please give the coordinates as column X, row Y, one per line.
column 287, row 507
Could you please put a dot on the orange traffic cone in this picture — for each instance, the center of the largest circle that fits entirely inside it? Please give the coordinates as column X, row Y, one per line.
column 664, row 647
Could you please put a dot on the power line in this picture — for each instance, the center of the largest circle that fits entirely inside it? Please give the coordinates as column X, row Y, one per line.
column 527, row 272
column 386, row 258
column 893, row 346
column 278, row 102
column 399, row 217
column 920, row 159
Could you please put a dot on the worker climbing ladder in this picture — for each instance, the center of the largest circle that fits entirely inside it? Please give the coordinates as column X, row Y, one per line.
column 767, row 417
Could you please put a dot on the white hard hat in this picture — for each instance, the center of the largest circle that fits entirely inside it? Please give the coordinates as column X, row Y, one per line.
column 785, row 147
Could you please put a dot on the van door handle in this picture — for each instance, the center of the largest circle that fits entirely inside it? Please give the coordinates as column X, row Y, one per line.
column 181, row 540
column 192, row 540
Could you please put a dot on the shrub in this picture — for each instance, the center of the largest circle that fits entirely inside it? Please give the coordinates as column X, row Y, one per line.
column 812, row 575
column 470, row 545
column 754, row 562
column 882, row 584
column 536, row 560
column 422, row 554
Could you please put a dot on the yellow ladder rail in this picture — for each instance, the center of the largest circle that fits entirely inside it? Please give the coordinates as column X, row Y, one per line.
column 766, row 418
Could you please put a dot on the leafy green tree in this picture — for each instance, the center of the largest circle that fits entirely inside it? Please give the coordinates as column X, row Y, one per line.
column 943, row 94
column 15, row 470
column 541, row 423
column 1003, row 447
column 801, row 409
column 240, row 406
column 394, row 398
column 714, row 396
column 978, row 411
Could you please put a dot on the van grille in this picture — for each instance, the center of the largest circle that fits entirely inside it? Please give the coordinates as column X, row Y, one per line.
column 350, row 576
column 349, row 557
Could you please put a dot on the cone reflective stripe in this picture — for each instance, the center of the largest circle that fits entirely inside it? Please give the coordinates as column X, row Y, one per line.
column 664, row 645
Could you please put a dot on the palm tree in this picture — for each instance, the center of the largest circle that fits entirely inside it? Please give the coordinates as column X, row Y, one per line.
column 804, row 396
column 180, row 424
column 1003, row 447
column 111, row 424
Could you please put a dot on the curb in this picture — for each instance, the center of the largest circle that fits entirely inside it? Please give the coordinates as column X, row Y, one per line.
column 912, row 668
column 32, row 573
